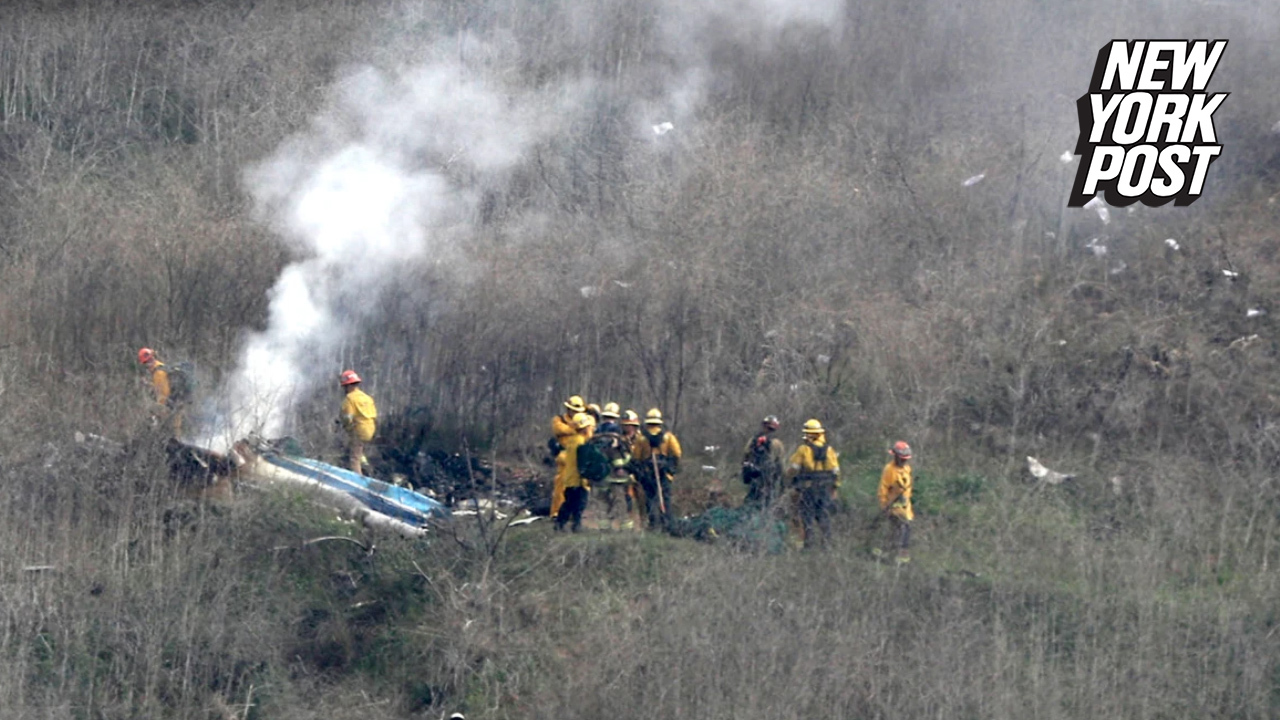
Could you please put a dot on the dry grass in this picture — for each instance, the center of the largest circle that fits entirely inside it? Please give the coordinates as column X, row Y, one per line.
column 804, row 246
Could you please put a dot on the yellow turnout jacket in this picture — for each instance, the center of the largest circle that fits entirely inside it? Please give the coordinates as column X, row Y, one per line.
column 895, row 491
column 359, row 415
column 160, row 383
column 804, row 463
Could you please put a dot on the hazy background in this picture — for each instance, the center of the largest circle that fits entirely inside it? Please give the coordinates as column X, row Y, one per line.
column 476, row 205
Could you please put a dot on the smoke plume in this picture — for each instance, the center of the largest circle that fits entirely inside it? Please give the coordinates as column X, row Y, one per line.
column 389, row 173
column 385, row 177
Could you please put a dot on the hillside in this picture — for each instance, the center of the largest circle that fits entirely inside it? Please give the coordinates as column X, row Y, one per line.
column 842, row 210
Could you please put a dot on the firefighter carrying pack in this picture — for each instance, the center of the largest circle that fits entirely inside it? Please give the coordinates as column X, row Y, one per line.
column 758, row 459
column 182, row 381
column 593, row 462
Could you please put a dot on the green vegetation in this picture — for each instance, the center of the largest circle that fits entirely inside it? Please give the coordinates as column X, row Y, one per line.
column 800, row 243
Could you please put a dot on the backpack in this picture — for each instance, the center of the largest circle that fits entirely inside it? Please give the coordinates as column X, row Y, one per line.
column 759, row 461
column 593, row 464
column 819, row 453
column 182, row 381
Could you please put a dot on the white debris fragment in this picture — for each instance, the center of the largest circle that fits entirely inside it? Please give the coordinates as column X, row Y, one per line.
column 663, row 128
column 1241, row 343
column 524, row 521
column 1100, row 207
column 824, row 359
column 623, row 285
column 588, row 291
column 1059, row 343
column 1131, row 209
column 1119, row 268
column 1051, row 235
column 1066, row 156
column 1044, row 474
column 1275, row 129
column 1173, row 244
column 1255, row 312
column 710, row 448
column 1117, row 485
column 708, row 468
column 1094, row 247
column 1231, row 274
column 974, row 180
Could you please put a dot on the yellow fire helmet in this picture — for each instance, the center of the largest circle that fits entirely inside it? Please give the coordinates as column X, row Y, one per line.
column 813, row 427
column 575, row 404
column 631, row 418
column 653, row 417
column 610, row 411
column 583, row 421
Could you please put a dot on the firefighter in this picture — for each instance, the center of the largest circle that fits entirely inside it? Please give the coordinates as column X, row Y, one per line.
column 159, row 379
column 615, row 443
column 573, row 486
column 762, row 465
column 562, row 426
column 895, row 499
column 567, row 443
column 359, row 418
column 609, row 419
column 593, row 409
column 815, row 473
column 655, row 461
column 630, row 423
column 165, row 408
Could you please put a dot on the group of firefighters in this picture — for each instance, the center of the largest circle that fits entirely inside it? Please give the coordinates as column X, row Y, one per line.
column 632, row 463
column 638, row 461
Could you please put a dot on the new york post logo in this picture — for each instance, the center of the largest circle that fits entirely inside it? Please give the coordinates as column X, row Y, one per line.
column 1146, row 124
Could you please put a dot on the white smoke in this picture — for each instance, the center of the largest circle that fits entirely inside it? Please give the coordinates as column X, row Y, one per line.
column 389, row 173
column 693, row 29
column 385, row 177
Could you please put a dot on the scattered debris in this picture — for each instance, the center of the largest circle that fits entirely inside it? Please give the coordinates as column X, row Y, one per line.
column 1095, row 248
column 367, row 548
column 1242, row 343
column 525, row 521
column 1119, row 268
column 1231, row 274
column 974, row 180
column 708, row 468
column 1066, row 156
column 1255, row 312
column 1117, row 485
column 1151, row 362
column 589, row 291
column 473, row 513
column 1275, row 129
column 1059, row 343
column 824, row 359
column 1100, row 207
column 1171, row 243
column 1051, row 235
column 623, row 285
column 710, row 448
column 39, row 568
column 663, row 128
column 1044, row 474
